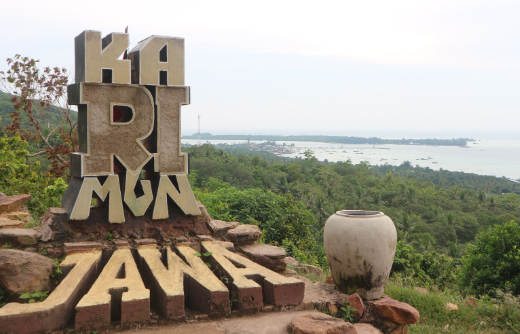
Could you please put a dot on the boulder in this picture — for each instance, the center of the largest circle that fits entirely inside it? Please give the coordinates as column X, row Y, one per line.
column 452, row 307
column 268, row 256
column 22, row 272
column 291, row 261
column 320, row 323
column 366, row 329
column 397, row 312
column 356, row 302
column 308, row 269
column 244, row 234
column 420, row 290
column 332, row 309
column 220, row 227
column 13, row 203
column 18, row 236
column 321, row 295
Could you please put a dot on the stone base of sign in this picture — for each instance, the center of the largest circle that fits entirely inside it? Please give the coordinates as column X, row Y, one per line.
column 57, row 227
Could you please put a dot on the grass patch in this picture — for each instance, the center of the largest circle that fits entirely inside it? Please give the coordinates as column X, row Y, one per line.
column 489, row 316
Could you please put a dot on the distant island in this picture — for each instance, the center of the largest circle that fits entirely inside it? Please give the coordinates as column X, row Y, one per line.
column 336, row 139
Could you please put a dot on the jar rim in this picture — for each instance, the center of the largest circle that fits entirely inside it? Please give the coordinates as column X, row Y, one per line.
column 359, row 213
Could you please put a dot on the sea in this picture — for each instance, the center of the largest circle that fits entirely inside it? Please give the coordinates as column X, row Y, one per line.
column 497, row 157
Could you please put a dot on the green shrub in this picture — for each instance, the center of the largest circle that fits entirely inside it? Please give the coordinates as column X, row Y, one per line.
column 493, row 262
column 17, row 177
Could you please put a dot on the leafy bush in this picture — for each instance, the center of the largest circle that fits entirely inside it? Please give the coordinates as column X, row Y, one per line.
column 17, row 177
column 493, row 262
column 283, row 221
column 426, row 268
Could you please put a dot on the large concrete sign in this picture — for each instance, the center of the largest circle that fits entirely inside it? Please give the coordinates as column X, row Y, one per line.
column 147, row 247
column 129, row 122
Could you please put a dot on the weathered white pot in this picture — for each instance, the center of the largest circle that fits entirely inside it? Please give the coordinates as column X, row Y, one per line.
column 360, row 246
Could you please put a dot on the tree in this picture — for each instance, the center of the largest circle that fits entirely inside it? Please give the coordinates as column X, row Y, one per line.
column 34, row 93
column 407, row 224
column 493, row 263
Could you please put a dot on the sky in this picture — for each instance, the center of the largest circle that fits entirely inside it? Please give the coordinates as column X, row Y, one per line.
column 392, row 69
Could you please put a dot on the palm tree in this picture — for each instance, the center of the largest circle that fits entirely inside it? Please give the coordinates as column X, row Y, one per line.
column 463, row 194
column 360, row 197
column 481, row 197
column 453, row 249
column 492, row 202
column 406, row 224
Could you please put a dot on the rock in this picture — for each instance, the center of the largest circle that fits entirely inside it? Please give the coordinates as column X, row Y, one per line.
column 10, row 223
column 13, row 203
column 329, row 280
column 320, row 323
column 220, row 227
column 18, row 236
column 55, row 252
column 267, row 256
column 332, row 309
column 307, row 269
column 320, row 295
column 203, row 237
column 244, row 234
column 53, row 214
column 18, row 215
column 24, row 272
column 356, row 302
column 470, row 301
column 145, row 242
column 2, row 195
column 121, row 243
column 397, row 312
column 289, row 273
column 452, row 307
column 81, row 247
column 227, row 245
column 420, row 290
column 291, row 261
column 366, row 329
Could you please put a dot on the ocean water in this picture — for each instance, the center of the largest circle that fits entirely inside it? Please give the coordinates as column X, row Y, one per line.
column 484, row 157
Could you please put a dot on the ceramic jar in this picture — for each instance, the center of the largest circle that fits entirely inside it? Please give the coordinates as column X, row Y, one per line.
column 360, row 246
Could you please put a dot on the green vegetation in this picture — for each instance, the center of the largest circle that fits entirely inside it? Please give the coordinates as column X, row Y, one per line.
column 41, row 114
column 438, row 214
column 34, row 297
column 345, row 312
column 493, row 263
column 500, row 315
column 19, row 177
column 336, row 139
column 434, row 211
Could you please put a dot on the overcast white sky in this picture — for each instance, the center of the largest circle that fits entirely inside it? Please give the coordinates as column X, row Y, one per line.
column 401, row 68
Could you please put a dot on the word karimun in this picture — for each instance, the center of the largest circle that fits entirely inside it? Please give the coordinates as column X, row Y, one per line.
column 129, row 111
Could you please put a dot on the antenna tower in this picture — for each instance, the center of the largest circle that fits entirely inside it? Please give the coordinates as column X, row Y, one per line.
column 198, row 143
